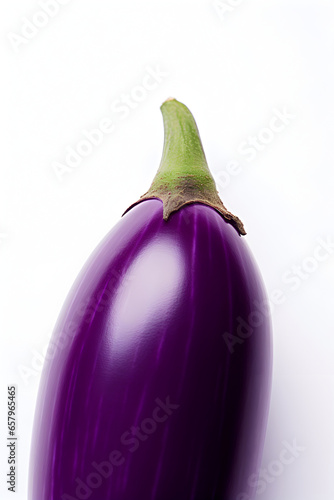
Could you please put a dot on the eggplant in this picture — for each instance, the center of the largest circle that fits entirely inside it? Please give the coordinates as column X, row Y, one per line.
column 158, row 375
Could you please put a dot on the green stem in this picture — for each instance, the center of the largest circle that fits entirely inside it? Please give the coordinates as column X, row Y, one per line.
column 183, row 156
column 183, row 176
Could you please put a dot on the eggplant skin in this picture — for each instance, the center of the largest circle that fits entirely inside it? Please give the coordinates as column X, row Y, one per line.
column 157, row 382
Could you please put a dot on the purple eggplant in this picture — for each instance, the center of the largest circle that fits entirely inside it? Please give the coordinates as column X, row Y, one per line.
column 157, row 380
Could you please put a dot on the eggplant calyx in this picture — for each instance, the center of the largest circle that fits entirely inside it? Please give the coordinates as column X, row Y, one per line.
column 183, row 176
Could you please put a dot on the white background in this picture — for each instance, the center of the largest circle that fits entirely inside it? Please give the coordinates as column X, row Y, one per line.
column 234, row 71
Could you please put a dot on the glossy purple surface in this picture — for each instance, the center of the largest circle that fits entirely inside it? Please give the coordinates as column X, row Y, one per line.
column 144, row 397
